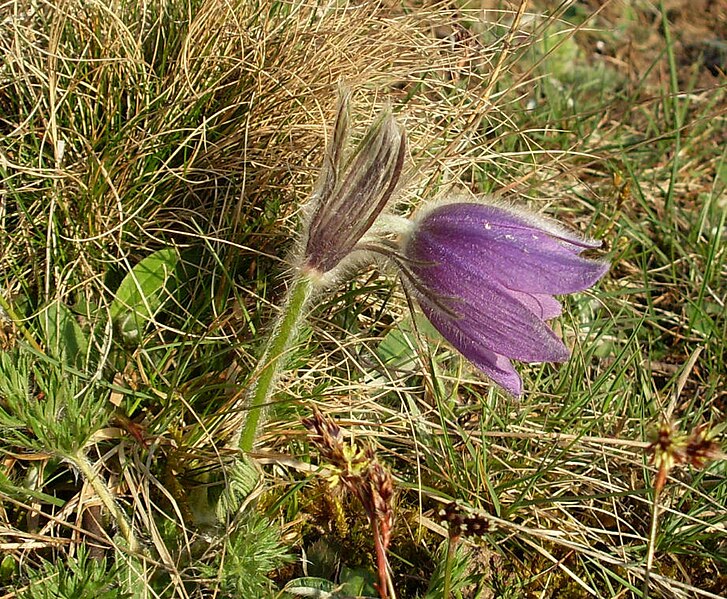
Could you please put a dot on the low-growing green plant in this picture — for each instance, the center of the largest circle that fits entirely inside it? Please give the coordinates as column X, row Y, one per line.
column 77, row 577
column 248, row 553
column 46, row 407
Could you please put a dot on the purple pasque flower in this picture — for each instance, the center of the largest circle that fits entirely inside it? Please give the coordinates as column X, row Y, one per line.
column 352, row 191
column 485, row 277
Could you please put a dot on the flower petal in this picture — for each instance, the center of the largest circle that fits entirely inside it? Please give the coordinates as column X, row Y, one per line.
column 522, row 254
column 332, row 161
column 495, row 366
column 543, row 306
column 481, row 308
column 485, row 277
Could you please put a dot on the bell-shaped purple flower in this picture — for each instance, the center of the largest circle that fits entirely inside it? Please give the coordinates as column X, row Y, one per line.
column 485, row 276
column 352, row 191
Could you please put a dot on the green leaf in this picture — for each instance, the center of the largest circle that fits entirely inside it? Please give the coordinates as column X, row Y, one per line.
column 242, row 478
column 320, row 588
column 7, row 569
column 358, row 582
column 79, row 577
column 310, row 586
column 24, row 493
column 65, row 338
column 398, row 348
column 143, row 292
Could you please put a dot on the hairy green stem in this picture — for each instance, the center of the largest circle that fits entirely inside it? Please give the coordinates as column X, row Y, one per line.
column 274, row 357
column 81, row 462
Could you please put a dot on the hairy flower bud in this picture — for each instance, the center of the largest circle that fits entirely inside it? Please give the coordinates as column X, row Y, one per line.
column 351, row 193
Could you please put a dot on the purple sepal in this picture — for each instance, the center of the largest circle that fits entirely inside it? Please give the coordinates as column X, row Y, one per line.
column 485, row 276
column 524, row 253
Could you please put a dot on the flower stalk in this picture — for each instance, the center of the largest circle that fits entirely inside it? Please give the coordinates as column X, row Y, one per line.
column 357, row 469
column 451, row 544
column 672, row 448
column 459, row 524
column 274, row 358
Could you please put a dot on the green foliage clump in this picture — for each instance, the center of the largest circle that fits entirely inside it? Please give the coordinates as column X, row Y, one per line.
column 249, row 554
column 80, row 577
column 44, row 407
